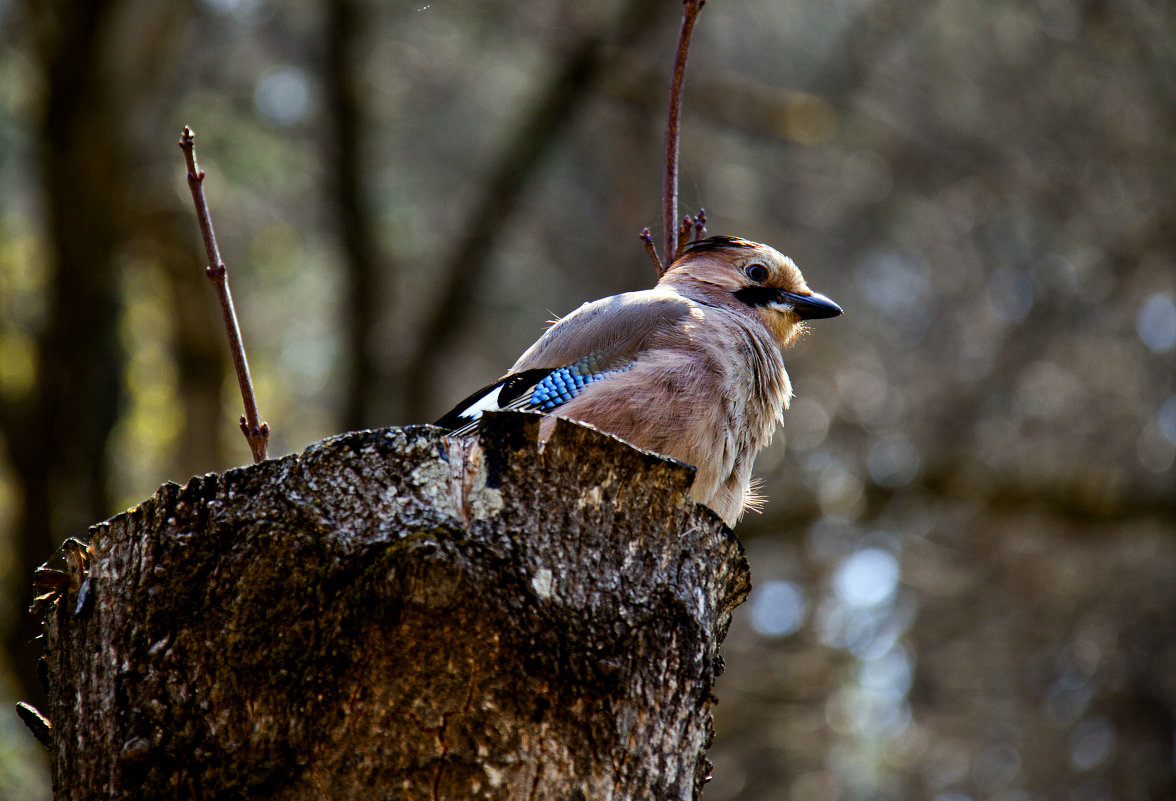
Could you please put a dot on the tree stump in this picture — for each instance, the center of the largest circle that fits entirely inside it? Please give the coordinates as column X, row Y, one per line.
column 395, row 615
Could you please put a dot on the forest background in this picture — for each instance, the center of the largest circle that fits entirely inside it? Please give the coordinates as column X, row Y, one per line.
column 965, row 573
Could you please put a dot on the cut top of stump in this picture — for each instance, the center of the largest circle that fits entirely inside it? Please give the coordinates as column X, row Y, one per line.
column 395, row 610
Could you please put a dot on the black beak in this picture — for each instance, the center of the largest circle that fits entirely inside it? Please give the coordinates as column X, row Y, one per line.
column 811, row 307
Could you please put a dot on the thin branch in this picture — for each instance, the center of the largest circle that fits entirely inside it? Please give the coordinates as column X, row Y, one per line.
column 691, row 9
column 685, row 233
column 256, row 433
column 692, row 229
column 647, row 238
column 700, row 225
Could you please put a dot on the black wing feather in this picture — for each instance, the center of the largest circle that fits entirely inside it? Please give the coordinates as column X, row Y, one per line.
column 511, row 389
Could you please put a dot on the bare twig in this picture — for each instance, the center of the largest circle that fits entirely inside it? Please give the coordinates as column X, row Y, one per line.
column 691, row 8
column 647, row 238
column 685, row 232
column 700, row 225
column 692, row 229
column 256, row 433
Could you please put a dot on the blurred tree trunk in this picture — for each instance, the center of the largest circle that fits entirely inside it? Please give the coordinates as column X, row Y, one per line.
column 152, row 79
column 538, row 129
column 365, row 266
column 57, row 439
column 391, row 614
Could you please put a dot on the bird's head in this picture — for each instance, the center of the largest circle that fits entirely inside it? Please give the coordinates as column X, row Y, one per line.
column 747, row 275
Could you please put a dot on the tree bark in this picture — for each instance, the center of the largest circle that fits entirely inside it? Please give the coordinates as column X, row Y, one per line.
column 391, row 614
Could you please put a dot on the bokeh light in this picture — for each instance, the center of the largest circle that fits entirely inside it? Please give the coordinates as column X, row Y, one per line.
column 282, row 97
column 893, row 461
column 777, row 608
column 1167, row 419
column 1156, row 322
column 868, row 578
column 1091, row 743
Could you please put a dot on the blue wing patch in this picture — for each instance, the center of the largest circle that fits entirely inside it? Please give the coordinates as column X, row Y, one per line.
column 564, row 383
column 542, row 390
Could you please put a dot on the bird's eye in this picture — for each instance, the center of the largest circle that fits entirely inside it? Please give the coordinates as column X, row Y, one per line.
column 757, row 272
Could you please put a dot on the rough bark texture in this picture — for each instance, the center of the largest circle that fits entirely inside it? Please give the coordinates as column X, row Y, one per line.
column 392, row 615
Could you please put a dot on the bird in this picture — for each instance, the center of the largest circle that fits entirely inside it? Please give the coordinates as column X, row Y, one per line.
column 691, row 368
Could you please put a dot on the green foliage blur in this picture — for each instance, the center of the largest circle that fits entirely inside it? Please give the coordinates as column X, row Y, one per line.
column 966, row 568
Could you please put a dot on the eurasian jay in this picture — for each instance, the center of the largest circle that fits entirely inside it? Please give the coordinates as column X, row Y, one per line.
column 691, row 368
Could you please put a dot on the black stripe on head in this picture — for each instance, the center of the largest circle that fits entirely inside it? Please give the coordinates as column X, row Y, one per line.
column 718, row 243
column 758, row 295
column 812, row 306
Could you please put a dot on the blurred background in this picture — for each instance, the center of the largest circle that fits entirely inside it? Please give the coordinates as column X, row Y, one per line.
column 965, row 574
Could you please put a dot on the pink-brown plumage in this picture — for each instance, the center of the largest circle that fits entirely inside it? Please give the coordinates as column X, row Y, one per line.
column 691, row 368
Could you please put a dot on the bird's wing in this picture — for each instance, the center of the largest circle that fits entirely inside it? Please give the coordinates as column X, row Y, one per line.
column 509, row 392
column 596, row 341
